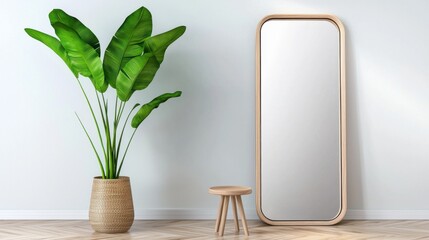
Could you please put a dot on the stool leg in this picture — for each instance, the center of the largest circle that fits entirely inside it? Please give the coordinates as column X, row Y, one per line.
column 219, row 213
column 243, row 217
column 234, row 208
column 224, row 213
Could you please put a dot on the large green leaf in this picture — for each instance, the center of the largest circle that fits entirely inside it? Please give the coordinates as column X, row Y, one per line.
column 147, row 74
column 146, row 109
column 128, row 75
column 53, row 44
column 139, row 71
column 127, row 43
column 58, row 15
column 83, row 57
column 158, row 44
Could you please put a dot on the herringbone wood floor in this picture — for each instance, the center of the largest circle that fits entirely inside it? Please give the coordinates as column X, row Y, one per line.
column 199, row 230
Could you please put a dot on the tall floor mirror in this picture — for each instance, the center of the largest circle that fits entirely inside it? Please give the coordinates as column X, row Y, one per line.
column 300, row 120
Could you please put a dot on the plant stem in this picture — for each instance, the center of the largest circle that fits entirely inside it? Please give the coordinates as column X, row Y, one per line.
column 94, row 118
column 125, row 153
column 116, row 108
column 104, row 124
column 121, row 110
column 115, row 126
column 122, row 132
column 93, row 147
column 112, row 167
column 119, row 116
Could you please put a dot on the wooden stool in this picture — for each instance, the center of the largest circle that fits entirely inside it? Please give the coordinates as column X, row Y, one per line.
column 227, row 192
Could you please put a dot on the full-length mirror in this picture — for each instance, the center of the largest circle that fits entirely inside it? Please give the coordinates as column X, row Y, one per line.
column 300, row 118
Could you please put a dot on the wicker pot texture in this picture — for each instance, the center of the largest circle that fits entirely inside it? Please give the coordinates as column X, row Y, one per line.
column 111, row 209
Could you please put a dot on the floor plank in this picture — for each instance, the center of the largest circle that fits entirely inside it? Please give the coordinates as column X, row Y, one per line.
column 202, row 230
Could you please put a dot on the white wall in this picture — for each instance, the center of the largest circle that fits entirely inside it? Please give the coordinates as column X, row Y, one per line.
column 206, row 137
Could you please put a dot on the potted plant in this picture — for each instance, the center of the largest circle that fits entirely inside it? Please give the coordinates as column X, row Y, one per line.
column 130, row 63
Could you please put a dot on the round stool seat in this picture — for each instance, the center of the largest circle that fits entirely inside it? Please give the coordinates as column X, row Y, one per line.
column 230, row 190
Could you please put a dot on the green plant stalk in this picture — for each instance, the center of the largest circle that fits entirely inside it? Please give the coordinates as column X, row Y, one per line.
column 107, row 132
column 96, row 124
column 126, row 120
column 116, row 110
column 126, row 150
column 118, row 146
column 122, row 132
column 115, row 125
column 114, row 134
column 104, row 124
column 113, row 146
column 109, row 140
column 93, row 147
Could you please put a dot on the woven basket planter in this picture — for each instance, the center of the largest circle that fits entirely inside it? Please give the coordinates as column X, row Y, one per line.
column 111, row 209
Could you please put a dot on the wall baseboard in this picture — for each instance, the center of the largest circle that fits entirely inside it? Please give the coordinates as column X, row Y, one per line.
column 142, row 214
column 387, row 215
column 199, row 214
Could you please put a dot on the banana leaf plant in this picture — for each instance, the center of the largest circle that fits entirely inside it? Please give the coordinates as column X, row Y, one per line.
column 130, row 63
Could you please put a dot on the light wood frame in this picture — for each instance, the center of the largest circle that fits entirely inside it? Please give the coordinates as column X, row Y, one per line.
column 342, row 116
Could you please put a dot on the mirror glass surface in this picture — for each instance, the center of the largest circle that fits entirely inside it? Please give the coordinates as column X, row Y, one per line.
column 300, row 175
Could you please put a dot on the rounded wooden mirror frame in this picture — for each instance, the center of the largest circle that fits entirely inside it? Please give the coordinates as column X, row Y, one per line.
column 343, row 189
